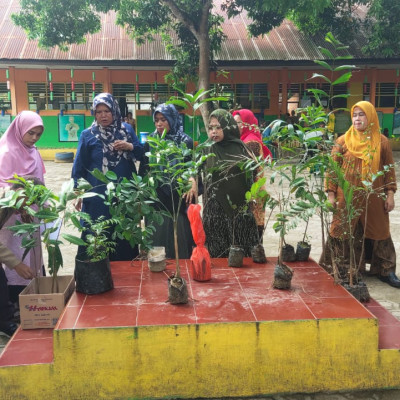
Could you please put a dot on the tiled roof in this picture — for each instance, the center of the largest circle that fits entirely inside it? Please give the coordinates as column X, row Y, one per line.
column 112, row 44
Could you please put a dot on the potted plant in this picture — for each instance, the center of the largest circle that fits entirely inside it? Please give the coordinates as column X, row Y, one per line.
column 292, row 210
column 178, row 176
column 130, row 201
column 92, row 265
column 344, row 274
column 306, row 201
column 348, row 274
column 236, row 252
column 46, row 210
column 282, row 273
column 258, row 193
column 303, row 247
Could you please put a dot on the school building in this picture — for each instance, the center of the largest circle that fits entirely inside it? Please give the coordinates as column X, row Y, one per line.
column 269, row 75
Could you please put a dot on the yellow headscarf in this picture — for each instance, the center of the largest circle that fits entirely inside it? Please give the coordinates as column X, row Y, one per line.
column 366, row 145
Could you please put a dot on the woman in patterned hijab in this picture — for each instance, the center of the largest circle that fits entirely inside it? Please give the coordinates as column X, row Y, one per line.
column 107, row 127
column 174, row 127
column 108, row 145
column 167, row 119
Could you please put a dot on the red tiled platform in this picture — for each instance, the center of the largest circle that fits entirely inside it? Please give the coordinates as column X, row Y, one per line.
column 232, row 295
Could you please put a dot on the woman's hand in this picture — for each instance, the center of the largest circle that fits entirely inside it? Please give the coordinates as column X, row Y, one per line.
column 25, row 217
column 192, row 193
column 122, row 145
column 24, row 271
column 332, row 198
column 389, row 202
column 78, row 204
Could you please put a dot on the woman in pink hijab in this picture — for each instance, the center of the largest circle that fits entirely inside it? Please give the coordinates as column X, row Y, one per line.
column 250, row 134
column 19, row 155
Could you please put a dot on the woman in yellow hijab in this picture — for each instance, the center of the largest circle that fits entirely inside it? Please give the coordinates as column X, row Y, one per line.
column 361, row 153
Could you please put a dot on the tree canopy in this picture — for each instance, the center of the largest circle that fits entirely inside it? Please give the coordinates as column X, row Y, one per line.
column 197, row 24
column 374, row 23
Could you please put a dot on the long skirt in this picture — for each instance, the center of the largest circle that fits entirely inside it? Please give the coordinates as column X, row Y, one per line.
column 380, row 254
column 164, row 236
column 223, row 230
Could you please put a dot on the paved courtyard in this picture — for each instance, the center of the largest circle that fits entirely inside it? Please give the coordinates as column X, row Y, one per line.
column 389, row 297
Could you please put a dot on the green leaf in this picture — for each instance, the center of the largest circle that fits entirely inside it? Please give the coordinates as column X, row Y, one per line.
column 343, row 96
column 330, row 38
column 74, row 239
column 326, row 53
column 178, row 102
column 323, row 64
column 46, row 214
column 320, row 76
column 342, row 79
column 318, row 91
column 19, row 204
column 99, row 175
column 111, row 175
column 342, row 67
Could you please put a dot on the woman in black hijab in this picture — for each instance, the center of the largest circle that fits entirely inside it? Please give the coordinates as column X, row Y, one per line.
column 226, row 218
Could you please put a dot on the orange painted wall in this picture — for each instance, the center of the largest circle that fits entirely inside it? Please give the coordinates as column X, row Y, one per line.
column 273, row 77
column 20, row 77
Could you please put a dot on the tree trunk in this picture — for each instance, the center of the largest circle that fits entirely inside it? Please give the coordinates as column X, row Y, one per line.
column 178, row 270
column 200, row 31
column 204, row 70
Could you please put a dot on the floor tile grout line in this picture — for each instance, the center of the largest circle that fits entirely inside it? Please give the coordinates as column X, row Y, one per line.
column 26, row 364
column 307, row 307
column 32, row 339
column 79, row 313
column 190, row 280
column 6, row 347
column 244, row 294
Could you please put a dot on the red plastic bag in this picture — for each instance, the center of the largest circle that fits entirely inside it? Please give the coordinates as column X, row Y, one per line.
column 200, row 266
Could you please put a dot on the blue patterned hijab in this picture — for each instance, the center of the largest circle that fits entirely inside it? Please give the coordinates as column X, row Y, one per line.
column 175, row 133
column 107, row 135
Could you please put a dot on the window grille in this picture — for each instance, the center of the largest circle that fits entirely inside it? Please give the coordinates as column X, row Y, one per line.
column 243, row 95
column 39, row 96
column 386, row 95
column 4, row 101
column 261, row 96
column 251, row 96
column 339, row 102
column 221, row 90
column 148, row 97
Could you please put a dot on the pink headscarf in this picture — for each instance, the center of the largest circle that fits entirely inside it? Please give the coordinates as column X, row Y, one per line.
column 15, row 156
column 250, row 130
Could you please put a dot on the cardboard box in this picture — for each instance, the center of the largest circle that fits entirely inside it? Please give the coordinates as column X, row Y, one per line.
column 39, row 307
